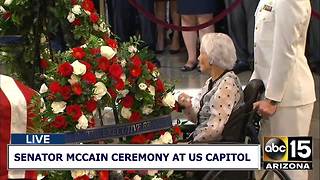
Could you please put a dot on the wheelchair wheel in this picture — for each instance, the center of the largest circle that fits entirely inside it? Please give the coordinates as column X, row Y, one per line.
column 279, row 173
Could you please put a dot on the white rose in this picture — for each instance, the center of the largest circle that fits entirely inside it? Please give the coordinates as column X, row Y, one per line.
column 92, row 174
column 152, row 90
column 71, row 17
column 2, row 10
column 169, row 173
column 152, row 172
column 76, row 9
column 143, row 86
column 156, row 141
column 84, row 45
column 82, row 122
column 102, row 27
column 125, row 113
column 43, row 88
column 99, row 74
column 123, row 77
column 95, row 27
column 136, row 177
column 155, row 73
column 99, row 91
column 166, row 138
column 42, row 106
column 147, row 110
column 7, row 2
column 78, row 173
column 78, row 68
column 132, row 49
column 40, row 176
column 87, row 12
column 58, row 107
column 73, row 79
column 123, row 63
column 43, row 39
column 169, row 100
column 107, row 52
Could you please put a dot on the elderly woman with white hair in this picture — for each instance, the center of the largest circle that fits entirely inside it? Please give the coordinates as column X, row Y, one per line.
column 222, row 92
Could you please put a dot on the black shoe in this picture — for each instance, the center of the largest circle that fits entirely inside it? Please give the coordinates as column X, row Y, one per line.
column 241, row 67
column 186, row 68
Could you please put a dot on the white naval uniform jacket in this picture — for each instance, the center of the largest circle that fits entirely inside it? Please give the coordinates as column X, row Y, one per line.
column 279, row 51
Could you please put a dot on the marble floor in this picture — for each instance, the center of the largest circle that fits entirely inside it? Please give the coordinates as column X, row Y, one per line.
column 191, row 81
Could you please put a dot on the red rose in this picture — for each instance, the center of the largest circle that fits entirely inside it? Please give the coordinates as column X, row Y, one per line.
column 149, row 136
column 136, row 61
column 127, row 101
column 94, row 17
column 74, row 111
column 135, row 117
column 104, row 175
column 65, row 92
column 177, row 130
column 55, row 87
column 88, row 65
column 65, row 69
column 131, row 171
column 88, row 5
column 6, row 16
column 74, row 2
column 95, row 51
column 78, row 53
column 77, row 89
column 76, row 22
column 91, row 123
column 103, row 64
column 159, row 86
column 89, row 78
column 59, row 122
column 84, row 177
column 91, row 105
column 112, row 43
column 135, row 72
column 138, row 139
column 112, row 93
column 151, row 67
column 115, row 71
column 119, row 85
column 44, row 64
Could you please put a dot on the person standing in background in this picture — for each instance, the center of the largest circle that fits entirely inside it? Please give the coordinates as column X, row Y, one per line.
column 279, row 61
column 160, row 12
column 124, row 21
column 314, row 39
column 194, row 13
column 241, row 28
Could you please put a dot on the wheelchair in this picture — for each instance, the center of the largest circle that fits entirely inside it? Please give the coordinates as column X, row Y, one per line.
column 242, row 127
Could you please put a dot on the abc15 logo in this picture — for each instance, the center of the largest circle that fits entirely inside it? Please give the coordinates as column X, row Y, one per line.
column 283, row 148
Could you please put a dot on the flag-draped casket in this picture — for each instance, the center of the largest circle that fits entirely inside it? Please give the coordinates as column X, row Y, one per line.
column 15, row 117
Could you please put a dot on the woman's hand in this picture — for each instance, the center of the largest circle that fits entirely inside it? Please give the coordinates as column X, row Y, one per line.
column 265, row 108
column 184, row 100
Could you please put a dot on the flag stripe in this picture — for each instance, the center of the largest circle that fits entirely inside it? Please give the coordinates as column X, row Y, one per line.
column 28, row 94
column 5, row 121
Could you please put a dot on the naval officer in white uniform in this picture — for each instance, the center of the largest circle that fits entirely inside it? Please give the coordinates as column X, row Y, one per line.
column 279, row 60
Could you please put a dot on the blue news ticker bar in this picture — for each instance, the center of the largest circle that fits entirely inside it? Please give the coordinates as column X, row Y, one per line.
column 37, row 139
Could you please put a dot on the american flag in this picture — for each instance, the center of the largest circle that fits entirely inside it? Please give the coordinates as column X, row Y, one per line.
column 15, row 117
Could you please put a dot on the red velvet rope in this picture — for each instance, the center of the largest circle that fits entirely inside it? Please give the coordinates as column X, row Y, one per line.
column 315, row 14
column 214, row 20
column 166, row 25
